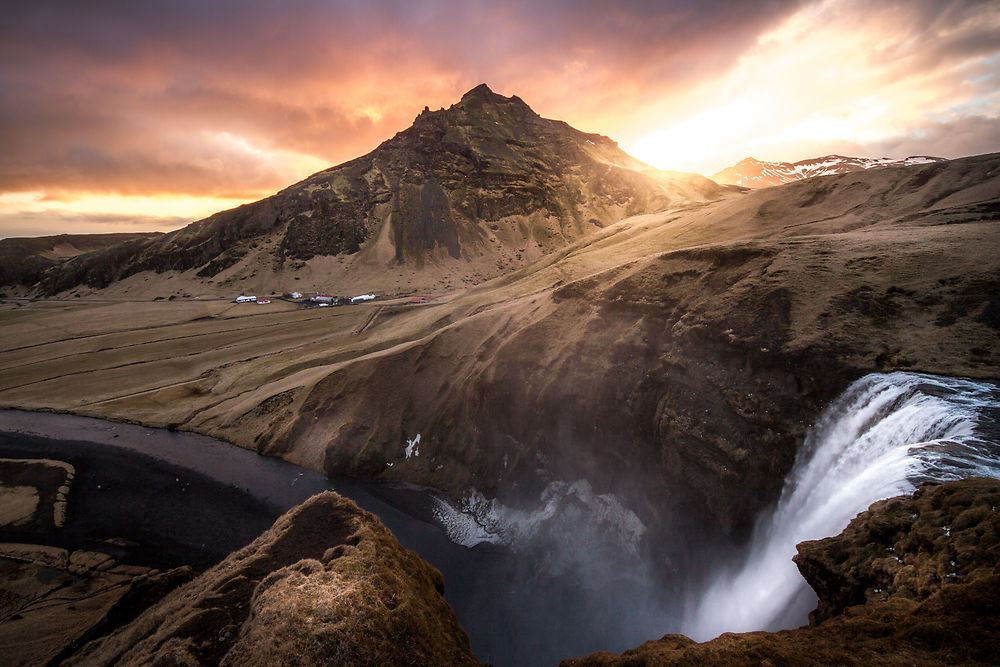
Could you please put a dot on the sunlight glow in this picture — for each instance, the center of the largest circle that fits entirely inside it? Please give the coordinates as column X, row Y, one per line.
column 146, row 205
column 822, row 82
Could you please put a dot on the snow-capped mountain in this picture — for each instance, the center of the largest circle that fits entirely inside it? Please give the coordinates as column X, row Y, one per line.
column 752, row 173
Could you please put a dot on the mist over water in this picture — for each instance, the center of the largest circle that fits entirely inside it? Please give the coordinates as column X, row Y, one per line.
column 883, row 437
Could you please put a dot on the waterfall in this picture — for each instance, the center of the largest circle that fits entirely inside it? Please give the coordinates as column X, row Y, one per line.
column 882, row 437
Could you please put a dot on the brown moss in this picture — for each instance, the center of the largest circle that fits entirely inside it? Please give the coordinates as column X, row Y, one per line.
column 327, row 584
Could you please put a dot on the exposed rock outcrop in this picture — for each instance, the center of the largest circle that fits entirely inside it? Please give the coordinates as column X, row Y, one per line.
column 327, row 584
column 912, row 581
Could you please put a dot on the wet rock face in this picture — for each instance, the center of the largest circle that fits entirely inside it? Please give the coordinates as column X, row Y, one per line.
column 912, row 581
column 327, row 584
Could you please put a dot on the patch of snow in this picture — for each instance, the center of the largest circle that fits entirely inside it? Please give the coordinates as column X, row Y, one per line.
column 411, row 447
column 461, row 525
column 563, row 507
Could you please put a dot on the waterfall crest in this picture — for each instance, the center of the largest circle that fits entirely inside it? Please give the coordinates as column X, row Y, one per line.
column 886, row 434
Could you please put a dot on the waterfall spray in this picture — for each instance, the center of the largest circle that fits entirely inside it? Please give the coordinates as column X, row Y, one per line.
column 884, row 436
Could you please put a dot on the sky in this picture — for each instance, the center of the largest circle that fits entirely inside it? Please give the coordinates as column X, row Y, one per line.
column 119, row 116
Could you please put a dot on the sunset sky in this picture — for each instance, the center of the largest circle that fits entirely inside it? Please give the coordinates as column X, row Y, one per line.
column 134, row 116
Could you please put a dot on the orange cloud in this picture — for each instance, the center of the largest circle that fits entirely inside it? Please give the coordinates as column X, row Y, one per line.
column 208, row 100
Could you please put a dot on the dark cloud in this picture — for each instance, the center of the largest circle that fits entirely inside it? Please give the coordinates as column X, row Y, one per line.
column 89, row 90
column 970, row 135
column 206, row 98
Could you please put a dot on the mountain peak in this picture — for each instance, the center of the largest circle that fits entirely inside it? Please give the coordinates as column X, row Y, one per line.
column 752, row 173
column 483, row 95
column 482, row 92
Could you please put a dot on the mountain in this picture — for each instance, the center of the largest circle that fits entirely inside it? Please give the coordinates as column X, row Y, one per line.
column 752, row 173
column 628, row 403
column 463, row 195
column 24, row 260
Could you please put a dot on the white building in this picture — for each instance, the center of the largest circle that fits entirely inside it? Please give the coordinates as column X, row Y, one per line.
column 245, row 299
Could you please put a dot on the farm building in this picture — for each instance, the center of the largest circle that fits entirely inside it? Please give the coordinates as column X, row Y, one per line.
column 245, row 299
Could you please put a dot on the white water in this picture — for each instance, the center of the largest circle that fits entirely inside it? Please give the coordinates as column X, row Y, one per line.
column 884, row 436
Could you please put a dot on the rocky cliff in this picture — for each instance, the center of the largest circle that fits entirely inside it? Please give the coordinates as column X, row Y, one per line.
column 912, row 581
column 327, row 584
column 478, row 189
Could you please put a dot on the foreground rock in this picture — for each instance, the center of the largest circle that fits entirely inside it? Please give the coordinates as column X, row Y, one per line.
column 327, row 584
column 914, row 580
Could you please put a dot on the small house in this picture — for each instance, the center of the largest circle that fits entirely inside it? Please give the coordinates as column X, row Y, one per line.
column 245, row 299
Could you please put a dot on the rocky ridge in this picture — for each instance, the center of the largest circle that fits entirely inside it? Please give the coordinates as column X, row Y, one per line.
column 752, row 173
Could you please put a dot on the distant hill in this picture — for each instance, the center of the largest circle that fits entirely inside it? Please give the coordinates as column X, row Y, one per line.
column 24, row 260
column 464, row 194
column 752, row 173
